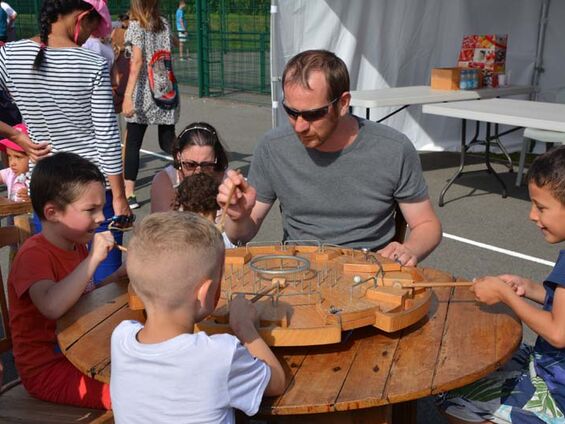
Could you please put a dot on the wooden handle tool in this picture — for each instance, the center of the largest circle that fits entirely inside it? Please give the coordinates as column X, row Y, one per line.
column 277, row 283
column 120, row 247
column 438, row 284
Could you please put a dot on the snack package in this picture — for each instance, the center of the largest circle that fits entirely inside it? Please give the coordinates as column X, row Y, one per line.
column 486, row 52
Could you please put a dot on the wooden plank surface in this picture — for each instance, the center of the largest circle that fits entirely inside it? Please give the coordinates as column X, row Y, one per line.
column 468, row 346
column 369, row 373
column 9, row 207
column 90, row 311
column 317, row 383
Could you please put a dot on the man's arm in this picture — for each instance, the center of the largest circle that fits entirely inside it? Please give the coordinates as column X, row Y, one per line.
column 245, row 214
column 425, row 234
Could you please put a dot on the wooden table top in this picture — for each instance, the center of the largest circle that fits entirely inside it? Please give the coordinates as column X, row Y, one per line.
column 458, row 343
column 9, row 207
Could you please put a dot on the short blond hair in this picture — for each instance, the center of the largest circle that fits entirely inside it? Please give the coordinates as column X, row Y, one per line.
column 170, row 253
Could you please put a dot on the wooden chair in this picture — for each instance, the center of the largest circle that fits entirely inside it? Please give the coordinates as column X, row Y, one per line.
column 16, row 405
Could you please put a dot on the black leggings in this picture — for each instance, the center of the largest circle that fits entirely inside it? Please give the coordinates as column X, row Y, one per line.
column 134, row 138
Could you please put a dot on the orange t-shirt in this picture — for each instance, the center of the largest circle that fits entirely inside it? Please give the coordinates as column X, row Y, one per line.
column 33, row 335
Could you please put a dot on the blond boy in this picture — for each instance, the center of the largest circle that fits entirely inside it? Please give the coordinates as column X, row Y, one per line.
column 164, row 372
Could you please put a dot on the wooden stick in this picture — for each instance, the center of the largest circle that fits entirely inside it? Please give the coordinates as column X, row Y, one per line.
column 277, row 283
column 439, row 284
column 120, row 247
column 221, row 222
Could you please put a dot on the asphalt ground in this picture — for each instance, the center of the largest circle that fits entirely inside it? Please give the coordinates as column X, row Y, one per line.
column 474, row 211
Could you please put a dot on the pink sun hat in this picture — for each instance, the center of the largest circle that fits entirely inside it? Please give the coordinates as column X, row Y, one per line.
column 7, row 143
column 105, row 27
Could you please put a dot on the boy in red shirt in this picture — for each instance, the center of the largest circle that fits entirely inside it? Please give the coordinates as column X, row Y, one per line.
column 50, row 273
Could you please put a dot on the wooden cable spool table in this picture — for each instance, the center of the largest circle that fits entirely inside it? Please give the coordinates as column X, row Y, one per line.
column 369, row 376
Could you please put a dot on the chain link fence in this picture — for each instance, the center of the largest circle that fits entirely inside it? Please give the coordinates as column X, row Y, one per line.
column 228, row 42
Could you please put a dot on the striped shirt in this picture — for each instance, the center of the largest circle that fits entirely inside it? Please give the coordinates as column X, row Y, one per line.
column 67, row 102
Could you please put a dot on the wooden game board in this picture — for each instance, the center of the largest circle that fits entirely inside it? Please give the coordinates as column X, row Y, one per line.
column 308, row 295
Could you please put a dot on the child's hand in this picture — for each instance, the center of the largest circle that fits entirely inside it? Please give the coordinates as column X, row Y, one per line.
column 102, row 243
column 490, row 290
column 242, row 318
column 518, row 284
column 23, row 195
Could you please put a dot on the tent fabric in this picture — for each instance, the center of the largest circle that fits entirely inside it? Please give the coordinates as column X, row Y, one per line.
column 395, row 43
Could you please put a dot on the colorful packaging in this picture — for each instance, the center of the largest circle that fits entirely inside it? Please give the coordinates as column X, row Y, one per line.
column 487, row 52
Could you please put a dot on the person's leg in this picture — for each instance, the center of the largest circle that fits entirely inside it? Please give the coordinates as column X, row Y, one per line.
column 114, row 259
column 63, row 383
column 166, row 137
column 134, row 138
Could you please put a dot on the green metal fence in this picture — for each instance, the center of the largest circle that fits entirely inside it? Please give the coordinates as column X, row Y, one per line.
column 228, row 41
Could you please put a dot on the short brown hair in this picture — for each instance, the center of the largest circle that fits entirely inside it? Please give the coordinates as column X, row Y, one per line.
column 548, row 170
column 300, row 67
column 170, row 253
column 197, row 193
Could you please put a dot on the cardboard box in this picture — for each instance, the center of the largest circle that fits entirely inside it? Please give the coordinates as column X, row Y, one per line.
column 486, row 52
column 446, row 78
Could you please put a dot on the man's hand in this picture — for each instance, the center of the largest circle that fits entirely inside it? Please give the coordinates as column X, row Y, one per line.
column 491, row 290
column 35, row 151
column 102, row 243
column 399, row 253
column 243, row 199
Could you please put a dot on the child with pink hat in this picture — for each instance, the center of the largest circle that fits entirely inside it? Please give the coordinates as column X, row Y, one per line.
column 14, row 176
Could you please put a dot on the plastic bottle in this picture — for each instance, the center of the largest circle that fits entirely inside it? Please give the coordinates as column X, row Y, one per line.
column 19, row 183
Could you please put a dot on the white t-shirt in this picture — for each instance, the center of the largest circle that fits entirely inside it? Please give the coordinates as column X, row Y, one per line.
column 191, row 378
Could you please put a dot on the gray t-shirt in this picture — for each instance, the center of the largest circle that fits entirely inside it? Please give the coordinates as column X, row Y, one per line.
column 347, row 197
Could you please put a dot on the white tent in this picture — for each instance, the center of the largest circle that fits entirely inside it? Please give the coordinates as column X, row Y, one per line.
column 395, row 43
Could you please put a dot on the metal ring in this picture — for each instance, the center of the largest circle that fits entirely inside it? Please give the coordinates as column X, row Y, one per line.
column 303, row 264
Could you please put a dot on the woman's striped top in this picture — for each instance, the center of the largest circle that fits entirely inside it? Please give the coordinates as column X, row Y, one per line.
column 67, row 102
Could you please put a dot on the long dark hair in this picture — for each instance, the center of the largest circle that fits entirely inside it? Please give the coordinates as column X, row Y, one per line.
column 50, row 11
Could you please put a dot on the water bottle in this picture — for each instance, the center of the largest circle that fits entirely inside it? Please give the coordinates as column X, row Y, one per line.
column 19, row 183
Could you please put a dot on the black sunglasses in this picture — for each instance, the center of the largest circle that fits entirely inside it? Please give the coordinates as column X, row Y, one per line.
column 309, row 115
column 191, row 165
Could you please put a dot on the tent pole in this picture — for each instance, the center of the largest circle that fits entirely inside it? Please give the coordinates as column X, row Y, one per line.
column 538, row 65
column 274, row 65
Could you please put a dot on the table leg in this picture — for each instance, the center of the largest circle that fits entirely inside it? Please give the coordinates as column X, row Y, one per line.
column 496, row 140
column 459, row 171
column 487, row 161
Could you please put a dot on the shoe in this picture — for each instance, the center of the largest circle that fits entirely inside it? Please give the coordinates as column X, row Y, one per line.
column 132, row 202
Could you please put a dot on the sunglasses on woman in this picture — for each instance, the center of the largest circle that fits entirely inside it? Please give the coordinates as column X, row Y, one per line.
column 191, row 166
column 309, row 115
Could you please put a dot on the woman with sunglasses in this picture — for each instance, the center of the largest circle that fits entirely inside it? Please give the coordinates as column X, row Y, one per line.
column 197, row 149
column 65, row 97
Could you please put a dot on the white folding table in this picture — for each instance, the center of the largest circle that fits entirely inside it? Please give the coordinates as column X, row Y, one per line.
column 517, row 113
column 424, row 94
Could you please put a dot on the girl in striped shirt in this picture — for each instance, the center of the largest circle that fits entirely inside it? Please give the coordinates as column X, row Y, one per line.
column 64, row 95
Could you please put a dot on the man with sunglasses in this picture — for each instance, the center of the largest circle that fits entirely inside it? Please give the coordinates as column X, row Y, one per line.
column 338, row 178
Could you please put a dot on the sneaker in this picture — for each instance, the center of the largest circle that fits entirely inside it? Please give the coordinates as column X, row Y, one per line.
column 132, row 202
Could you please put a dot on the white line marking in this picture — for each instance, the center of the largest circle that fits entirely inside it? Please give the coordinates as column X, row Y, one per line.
column 500, row 250
column 148, row 152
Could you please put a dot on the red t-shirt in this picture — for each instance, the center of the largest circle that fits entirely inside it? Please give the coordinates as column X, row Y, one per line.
column 33, row 335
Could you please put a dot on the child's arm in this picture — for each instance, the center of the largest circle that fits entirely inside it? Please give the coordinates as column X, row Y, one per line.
column 525, row 287
column 242, row 317
column 548, row 324
column 54, row 299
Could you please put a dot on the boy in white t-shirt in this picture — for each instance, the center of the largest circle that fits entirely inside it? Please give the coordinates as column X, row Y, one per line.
column 164, row 372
